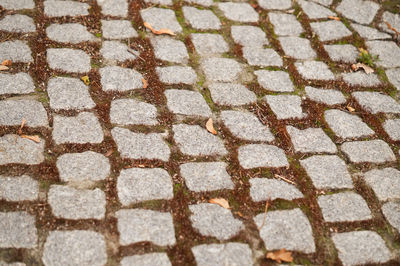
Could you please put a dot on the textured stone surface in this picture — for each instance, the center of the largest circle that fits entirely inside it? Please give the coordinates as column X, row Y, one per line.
column 68, row 60
column 168, row 49
column 345, row 52
column 68, row 93
column 392, row 19
column 249, row 36
column 176, row 75
column 375, row 102
column 384, row 182
column 14, row 149
column 373, row 151
column 17, row 5
column 69, row 33
column 315, row 11
column 207, row 43
column 261, row 155
column 133, row 112
column 16, row 51
column 388, row 53
column 314, row 70
column 346, row 125
column 285, row 106
column 329, row 97
column 160, row 18
column 137, row 225
column 358, row 10
column 18, row 188
column 361, row 78
column 213, row 220
column 262, row 57
column 17, row 230
column 310, row 140
column 115, row 78
column 298, row 48
column 391, row 211
column 275, row 4
column 274, row 80
column 392, row 128
column 330, row 30
column 65, row 8
column 17, row 23
column 201, row 19
column 196, row 141
column 263, row 189
column 160, row 259
column 19, row 83
column 369, row 33
column 221, row 69
column 206, row 3
column 327, row 172
column 206, row 176
column 140, row 146
column 137, row 184
column 231, row 94
column 222, row 254
column 361, row 247
column 118, row 29
column 394, row 77
column 241, row 12
column 285, row 24
column 114, row 7
column 289, row 229
column 187, row 102
column 76, row 247
column 160, row 2
column 114, row 50
column 14, row 111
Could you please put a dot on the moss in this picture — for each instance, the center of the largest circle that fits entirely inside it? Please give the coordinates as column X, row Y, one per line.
column 99, row 35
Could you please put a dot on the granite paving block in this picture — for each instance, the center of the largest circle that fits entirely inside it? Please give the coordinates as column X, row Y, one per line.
column 262, row 57
column 117, row 8
column 315, row 11
column 17, row 5
column 388, row 53
column 160, row 18
column 384, row 182
column 160, row 2
column 65, row 8
column 18, row 188
column 289, row 229
column 15, row 111
column 391, row 211
column 168, row 49
column 274, row 80
column 323, row 2
column 392, row 19
column 346, row 125
column 246, row 35
column 68, row 60
column 262, row 189
column 394, row 77
column 133, row 145
column 375, row 102
column 206, row 176
column 133, row 112
column 311, row 140
column 285, row 106
column 360, row 11
column 17, row 230
column 298, row 48
column 206, row 3
column 16, row 51
column 138, row 184
column 285, row 24
column 361, row 79
column 19, row 83
column 342, row 52
column 201, row 19
column 14, row 149
column 118, row 29
column 261, row 155
column 369, row 33
column 208, row 43
column 115, row 78
column 221, row 69
column 275, row 4
column 176, row 75
column 241, row 12
column 69, row 33
column 231, row 94
column 187, row 102
column 115, row 50
column 392, row 128
column 330, row 30
column 160, row 259
column 222, row 254
column 314, row 70
column 370, row 151
column 326, row 96
column 17, row 23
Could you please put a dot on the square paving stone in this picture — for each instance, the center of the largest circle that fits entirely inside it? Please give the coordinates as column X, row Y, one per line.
column 315, row 11
column 246, row 35
column 194, row 140
column 285, row 24
column 330, row 30
column 221, row 69
column 388, row 53
column 16, row 51
column 314, row 70
column 159, row 259
column 168, row 49
column 358, row 10
column 327, row 172
column 392, row 128
column 133, row 112
column 342, row 52
column 187, row 102
column 274, row 80
column 14, row 111
column 69, row 93
column 201, row 19
column 18, row 188
column 76, row 247
column 375, row 102
column 246, row 125
column 344, row 207
column 215, row 221
column 372, row 151
column 262, row 57
column 275, row 4
column 118, row 29
column 384, row 182
column 83, row 128
column 346, row 125
column 289, row 229
column 394, row 77
column 140, row 146
column 391, row 211
column 285, row 106
column 17, row 5
column 207, row 43
column 263, row 189
column 241, row 12
column 70, row 203
column 231, row 94
column 137, row 184
column 114, row 50
column 137, row 225
column 329, row 97
column 361, row 78
column 160, row 18
column 19, row 83
column 222, row 254
column 261, row 155
column 206, row 3
column 68, row 60
column 206, row 176
column 17, row 230
column 117, row 8
column 17, row 23
column 115, row 78
column 69, row 33
column 310, row 140
column 65, row 8
column 14, row 149
column 177, row 75
column 79, row 167
column 298, row 48
column 361, row 247
column 369, row 33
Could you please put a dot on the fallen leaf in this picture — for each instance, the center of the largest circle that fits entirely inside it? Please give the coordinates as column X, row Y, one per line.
column 280, row 255
column 145, row 83
column 351, row 109
column 334, row 18
column 85, row 80
column 391, row 28
column 6, row 62
column 158, row 32
column 108, row 153
column 210, row 126
column 221, row 202
column 141, row 166
column 22, row 125
column 3, row 67
column 34, row 138
column 366, row 68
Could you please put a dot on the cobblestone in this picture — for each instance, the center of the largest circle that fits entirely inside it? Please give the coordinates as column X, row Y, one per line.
column 14, row 111
column 330, row 30
column 114, row 7
column 314, row 70
column 384, row 182
column 160, row 259
column 375, row 102
column 368, row 32
column 388, row 53
column 262, row 57
column 360, row 11
column 274, row 80
column 231, row 94
column 346, row 53
column 140, row 113
column 241, row 12
column 17, row 5
column 263, row 189
column 285, row 106
column 115, row 78
column 69, row 33
column 222, row 254
column 14, row 149
column 176, row 75
column 16, row 51
column 187, row 102
column 114, row 50
column 201, row 19
column 118, row 29
column 392, row 19
column 315, row 11
column 275, row 4
column 298, row 48
column 310, row 140
column 19, row 83
column 285, row 24
column 391, row 211
column 346, row 125
column 329, row 97
column 371, row 151
column 170, row 50
column 206, row 3
column 207, row 43
column 249, row 36
column 392, row 128
column 18, row 188
column 261, row 155
column 68, row 60
column 160, row 18
column 362, row 79
column 221, row 69
column 17, row 230
column 17, row 23
column 394, row 77
column 65, row 8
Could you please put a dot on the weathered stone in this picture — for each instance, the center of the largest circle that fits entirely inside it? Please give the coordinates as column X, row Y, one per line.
column 346, row 125
column 118, row 29
column 330, row 30
column 207, row 43
column 168, row 49
column 16, row 51
column 222, row 254
column 274, row 80
column 19, row 83
column 261, row 155
column 201, row 19
column 358, row 10
column 17, row 230
column 242, row 12
column 263, row 189
column 369, row 33
column 262, row 57
column 329, row 97
column 384, row 182
column 68, row 60
column 187, row 102
column 392, row 128
column 160, row 18
column 114, row 50
column 314, row 70
column 14, row 149
column 394, row 77
column 342, row 52
column 285, row 106
column 285, row 24
column 392, row 19
column 231, row 94
column 323, row 2
column 15, row 111
column 65, row 8
column 275, row 4
column 221, row 69
column 17, row 23
column 388, row 53
column 176, row 75
column 372, row 151
column 296, row 47
column 391, row 211
column 160, row 2
column 375, row 102
column 249, row 36
column 69, row 33
column 160, row 259
column 115, row 78
column 18, row 188
column 361, row 78
column 17, row 5
column 114, row 7
column 315, row 11
column 206, row 3
column 310, row 140
column 139, row 113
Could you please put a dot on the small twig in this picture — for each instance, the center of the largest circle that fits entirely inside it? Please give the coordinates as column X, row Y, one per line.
column 265, row 212
column 391, row 28
column 22, row 125
column 130, row 50
column 285, row 179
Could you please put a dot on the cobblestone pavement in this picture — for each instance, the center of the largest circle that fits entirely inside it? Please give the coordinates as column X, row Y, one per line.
column 306, row 150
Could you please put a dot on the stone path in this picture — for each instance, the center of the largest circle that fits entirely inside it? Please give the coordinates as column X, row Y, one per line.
column 123, row 168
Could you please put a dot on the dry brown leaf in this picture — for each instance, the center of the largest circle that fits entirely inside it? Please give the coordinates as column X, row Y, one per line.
column 280, row 255
column 210, row 127
column 108, row 153
column 34, row 138
column 351, row 109
column 22, row 125
column 221, row 202
column 366, row 68
column 145, row 83
column 3, row 67
column 85, row 80
column 158, row 32
column 334, row 18
column 6, row 62
column 391, row 28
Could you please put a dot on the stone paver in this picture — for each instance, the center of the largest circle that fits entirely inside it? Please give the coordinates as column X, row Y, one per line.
column 17, row 230
column 16, row 51
column 231, row 94
column 384, row 182
column 241, row 12
column 160, row 2
column 362, row 79
column 330, row 30
column 176, row 75
column 160, row 18
column 249, row 36
column 14, row 149
column 160, row 259
column 261, row 155
column 207, row 43
column 65, row 8
column 392, row 128
column 391, row 211
column 19, row 83
column 329, row 97
column 285, row 106
column 187, row 102
column 394, row 77
column 274, row 80
column 264, row 189
column 222, row 254
column 275, row 4
column 373, row 151
column 118, row 29
column 262, row 57
column 315, row 11
column 114, row 7
column 346, row 52
column 170, row 50
column 69, row 33
column 221, row 69
column 376, row 102
column 360, row 11
column 14, row 111
column 369, row 33
column 114, row 50
column 201, row 19
column 392, row 19
column 310, row 140
column 17, row 5
column 285, row 24
column 388, row 53
column 18, row 188
column 68, row 60
column 140, row 113
column 314, row 70
column 115, row 78
column 296, row 47
column 17, row 23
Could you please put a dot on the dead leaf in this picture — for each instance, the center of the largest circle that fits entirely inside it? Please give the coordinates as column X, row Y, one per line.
column 221, row 202
column 3, row 67
column 334, row 18
column 210, row 127
column 160, row 31
column 6, row 62
column 145, row 83
column 366, row 68
column 86, row 80
column 391, row 28
column 34, row 138
column 108, row 153
column 351, row 109
column 141, row 166
column 22, row 125
column 280, row 255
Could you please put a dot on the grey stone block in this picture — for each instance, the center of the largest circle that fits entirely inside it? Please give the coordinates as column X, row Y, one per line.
column 241, row 12
column 392, row 128
column 17, row 5
column 361, row 78
column 133, row 112
column 176, row 75
column 369, row 33
column 19, row 83
column 14, row 111
column 388, row 53
column 384, row 182
column 391, row 211
column 65, row 8
column 137, row 184
column 18, row 188
column 17, row 230
column 74, row 204
column 263, row 189
column 68, row 60
column 346, row 53
column 159, row 259
column 206, row 3
column 375, row 102
column 315, row 11
column 160, row 18
column 221, row 69
column 231, row 94
column 262, row 57
column 16, row 51
column 117, row 8
column 358, row 10
column 207, row 43
column 275, row 4
column 168, row 49
column 187, row 102
column 330, row 30
column 372, row 151
column 201, row 19
column 274, row 80
column 76, row 247
column 392, row 19
column 298, row 48
column 206, row 176
column 137, row 225
column 323, row 2
column 289, row 229
column 118, row 29
column 285, row 24
column 246, row 35
column 14, row 149
column 140, row 146
column 329, row 97
column 115, row 78
column 314, row 70
column 160, row 2
column 69, row 33
column 222, row 254
column 394, row 77
column 196, row 141
column 83, row 128
column 17, row 23
column 114, row 50
column 285, row 106
column 261, row 155
column 310, row 140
